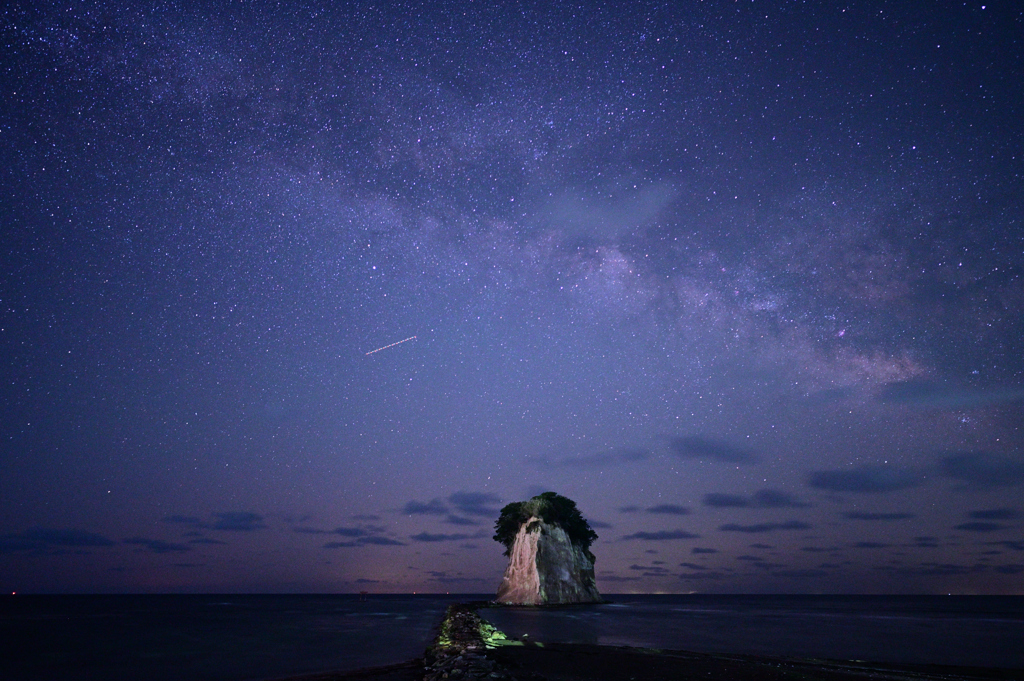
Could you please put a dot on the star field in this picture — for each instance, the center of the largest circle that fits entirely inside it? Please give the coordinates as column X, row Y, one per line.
column 744, row 280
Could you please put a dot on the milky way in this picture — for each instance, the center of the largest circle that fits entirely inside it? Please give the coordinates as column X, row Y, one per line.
column 744, row 281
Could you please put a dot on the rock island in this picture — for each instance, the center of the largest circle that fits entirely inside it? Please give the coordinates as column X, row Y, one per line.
column 547, row 541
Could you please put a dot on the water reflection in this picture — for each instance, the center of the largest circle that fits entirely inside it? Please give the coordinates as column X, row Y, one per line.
column 568, row 625
column 969, row 631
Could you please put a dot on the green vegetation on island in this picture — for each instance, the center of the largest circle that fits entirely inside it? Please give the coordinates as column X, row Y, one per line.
column 553, row 509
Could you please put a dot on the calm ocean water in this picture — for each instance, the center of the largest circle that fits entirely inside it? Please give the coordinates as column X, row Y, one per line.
column 236, row 638
column 978, row 631
column 210, row 638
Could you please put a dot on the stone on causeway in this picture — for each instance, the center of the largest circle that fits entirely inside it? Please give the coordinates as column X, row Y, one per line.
column 546, row 566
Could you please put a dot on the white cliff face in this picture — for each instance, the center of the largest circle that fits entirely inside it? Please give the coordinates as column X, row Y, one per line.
column 521, row 583
column 545, row 567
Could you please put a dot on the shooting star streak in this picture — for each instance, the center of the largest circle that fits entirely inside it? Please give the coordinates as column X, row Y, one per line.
column 392, row 345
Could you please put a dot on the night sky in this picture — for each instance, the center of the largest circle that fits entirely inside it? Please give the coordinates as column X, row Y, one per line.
column 745, row 280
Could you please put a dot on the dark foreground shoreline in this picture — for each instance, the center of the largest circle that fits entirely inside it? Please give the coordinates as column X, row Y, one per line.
column 568, row 662
column 468, row 649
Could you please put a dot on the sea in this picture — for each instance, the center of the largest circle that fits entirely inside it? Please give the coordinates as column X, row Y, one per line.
column 256, row 637
column 972, row 631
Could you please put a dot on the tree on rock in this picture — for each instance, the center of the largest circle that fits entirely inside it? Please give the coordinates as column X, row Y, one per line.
column 548, row 542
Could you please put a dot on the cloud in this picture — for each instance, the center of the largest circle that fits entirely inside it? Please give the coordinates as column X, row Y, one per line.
column 184, row 520
column 932, row 395
column 432, row 507
column 771, row 498
column 719, row 500
column 459, row 520
column 980, row 526
column 380, row 541
column 669, row 509
column 933, row 569
column 764, row 527
column 693, row 566
column 861, row 515
column 598, row 525
column 616, row 578
column 694, row 576
column 1012, row 545
column 616, row 457
column 650, row 570
column 231, row 521
column 350, row 531
column 995, row 514
column 864, row 479
column 158, row 545
column 1013, row 569
column 375, row 540
column 699, row 550
column 427, row 537
column 696, row 447
column 445, row 578
column 475, row 503
column 765, row 565
column 584, row 215
column 206, row 540
column 663, row 535
column 801, row 574
column 238, row 521
column 765, row 498
column 46, row 539
column 759, row 562
column 870, row 545
column 983, row 468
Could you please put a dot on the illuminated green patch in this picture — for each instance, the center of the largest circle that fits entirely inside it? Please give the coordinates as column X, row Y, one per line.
column 494, row 638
